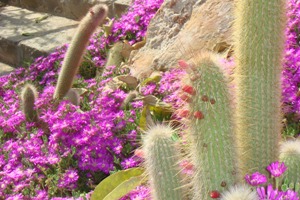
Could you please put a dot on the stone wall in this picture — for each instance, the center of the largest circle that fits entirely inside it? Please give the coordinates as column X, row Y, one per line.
column 73, row 9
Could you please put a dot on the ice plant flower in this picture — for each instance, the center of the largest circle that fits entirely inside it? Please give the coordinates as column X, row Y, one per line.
column 270, row 193
column 256, row 179
column 276, row 169
column 274, row 194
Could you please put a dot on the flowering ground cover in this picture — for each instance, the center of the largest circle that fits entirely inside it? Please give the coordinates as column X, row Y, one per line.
column 73, row 148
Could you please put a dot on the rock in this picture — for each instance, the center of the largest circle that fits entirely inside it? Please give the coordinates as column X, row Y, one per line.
column 181, row 29
column 73, row 9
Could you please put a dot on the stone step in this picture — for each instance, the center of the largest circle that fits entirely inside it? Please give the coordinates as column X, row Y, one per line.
column 73, row 9
column 25, row 34
column 5, row 69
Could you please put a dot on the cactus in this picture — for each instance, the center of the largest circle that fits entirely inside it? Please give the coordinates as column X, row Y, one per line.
column 259, row 43
column 239, row 192
column 212, row 128
column 28, row 96
column 77, row 48
column 162, row 163
column 290, row 155
column 229, row 142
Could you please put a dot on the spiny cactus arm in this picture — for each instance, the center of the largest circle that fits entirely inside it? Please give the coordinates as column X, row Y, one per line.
column 211, row 128
column 259, row 43
column 75, row 52
column 161, row 163
column 28, row 96
column 290, row 155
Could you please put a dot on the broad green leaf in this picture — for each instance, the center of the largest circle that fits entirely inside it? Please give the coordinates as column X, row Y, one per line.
column 115, row 180
column 124, row 188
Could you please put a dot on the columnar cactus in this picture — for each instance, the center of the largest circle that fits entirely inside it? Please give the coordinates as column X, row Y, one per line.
column 259, row 42
column 162, row 164
column 290, row 155
column 28, row 96
column 212, row 128
column 75, row 52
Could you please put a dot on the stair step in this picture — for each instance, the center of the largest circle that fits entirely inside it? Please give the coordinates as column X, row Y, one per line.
column 5, row 69
column 73, row 9
column 26, row 34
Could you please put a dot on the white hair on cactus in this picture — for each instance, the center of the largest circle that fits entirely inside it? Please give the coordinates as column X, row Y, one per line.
column 290, row 147
column 239, row 192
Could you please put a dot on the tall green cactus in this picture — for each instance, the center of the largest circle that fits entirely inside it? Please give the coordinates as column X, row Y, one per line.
column 259, row 43
column 162, row 164
column 28, row 96
column 212, row 129
column 75, row 52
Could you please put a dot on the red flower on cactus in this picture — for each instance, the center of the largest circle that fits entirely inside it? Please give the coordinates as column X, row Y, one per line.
column 276, row 169
column 214, row 194
column 189, row 89
column 183, row 64
column 198, row 114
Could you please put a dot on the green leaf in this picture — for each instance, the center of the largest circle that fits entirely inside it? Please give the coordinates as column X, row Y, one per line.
column 154, row 79
column 297, row 187
column 291, row 186
column 124, row 188
column 27, row 34
column 39, row 19
column 118, row 184
column 143, row 118
column 284, row 187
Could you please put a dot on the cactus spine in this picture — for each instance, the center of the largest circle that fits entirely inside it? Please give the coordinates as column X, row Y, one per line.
column 290, row 155
column 161, row 159
column 77, row 48
column 28, row 96
column 212, row 132
column 259, row 42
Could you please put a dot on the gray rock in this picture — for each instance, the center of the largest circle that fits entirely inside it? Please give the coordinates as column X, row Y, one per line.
column 181, row 29
column 73, row 9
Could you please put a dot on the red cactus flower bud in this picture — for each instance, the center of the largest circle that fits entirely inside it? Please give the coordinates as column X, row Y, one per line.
column 183, row 65
column 214, row 194
column 189, row 89
column 185, row 98
column 198, row 115
column 184, row 113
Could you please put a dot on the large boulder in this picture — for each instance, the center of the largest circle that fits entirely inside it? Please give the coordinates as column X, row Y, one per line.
column 181, row 29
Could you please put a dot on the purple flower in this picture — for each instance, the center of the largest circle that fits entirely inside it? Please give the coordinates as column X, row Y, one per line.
column 276, row 169
column 269, row 194
column 273, row 194
column 256, row 179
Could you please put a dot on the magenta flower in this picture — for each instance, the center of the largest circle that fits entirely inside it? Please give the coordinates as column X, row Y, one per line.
column 256, row 179
column 276, row 168
column 270, row 193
